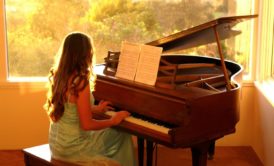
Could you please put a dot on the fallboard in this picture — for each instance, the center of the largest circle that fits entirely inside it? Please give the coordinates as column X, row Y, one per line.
column 151, row 104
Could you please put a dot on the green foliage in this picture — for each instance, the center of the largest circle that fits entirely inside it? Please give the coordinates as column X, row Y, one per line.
column 37, row 28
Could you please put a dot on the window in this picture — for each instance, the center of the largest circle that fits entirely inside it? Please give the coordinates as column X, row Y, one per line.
column 272, row 55
column 266, row 41
column 35, row 29
column 265, row 59
column 272, row 52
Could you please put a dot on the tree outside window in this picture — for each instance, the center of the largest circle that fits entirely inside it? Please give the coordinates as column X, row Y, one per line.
column 35, row 29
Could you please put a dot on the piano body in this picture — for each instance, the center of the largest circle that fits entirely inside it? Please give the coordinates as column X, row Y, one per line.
column 195, row 99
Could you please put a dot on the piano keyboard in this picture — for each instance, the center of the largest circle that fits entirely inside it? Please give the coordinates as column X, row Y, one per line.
column 144, row 123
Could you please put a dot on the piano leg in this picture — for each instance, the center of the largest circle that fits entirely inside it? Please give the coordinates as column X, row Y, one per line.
column 140, row 142
column 211, row 150
column 199, row 154
column 149, row 153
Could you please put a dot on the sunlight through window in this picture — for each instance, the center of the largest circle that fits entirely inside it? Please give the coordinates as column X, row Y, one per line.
column 35, row 29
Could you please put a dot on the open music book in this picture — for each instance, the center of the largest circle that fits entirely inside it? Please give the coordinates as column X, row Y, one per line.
column 139, row 62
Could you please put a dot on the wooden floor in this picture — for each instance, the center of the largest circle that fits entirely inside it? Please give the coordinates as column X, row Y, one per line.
column 224, row 156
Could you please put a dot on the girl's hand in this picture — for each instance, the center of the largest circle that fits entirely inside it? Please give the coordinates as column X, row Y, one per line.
column 119, row 116
column 103, row 106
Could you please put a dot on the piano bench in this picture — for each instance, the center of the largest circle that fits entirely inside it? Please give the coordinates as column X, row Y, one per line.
column 40, row 156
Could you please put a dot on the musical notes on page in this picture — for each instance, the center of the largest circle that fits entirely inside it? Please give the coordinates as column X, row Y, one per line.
column 128, row 60
column 139, row 62
column 148, row 65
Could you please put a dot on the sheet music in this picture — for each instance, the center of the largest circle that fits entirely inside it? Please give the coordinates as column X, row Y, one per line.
column 139, row 62
column 148, row 65
column 128, row 60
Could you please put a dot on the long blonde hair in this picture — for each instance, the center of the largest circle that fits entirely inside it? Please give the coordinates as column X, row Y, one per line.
column 73, row 60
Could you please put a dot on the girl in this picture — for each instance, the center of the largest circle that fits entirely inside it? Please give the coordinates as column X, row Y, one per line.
column 74, row 136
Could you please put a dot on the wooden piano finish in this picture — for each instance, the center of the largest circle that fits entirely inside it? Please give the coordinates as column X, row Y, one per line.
column 197, row 115
column 188, row 109
column 197, row 109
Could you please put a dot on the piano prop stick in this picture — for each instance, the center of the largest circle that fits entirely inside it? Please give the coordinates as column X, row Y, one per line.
column 195, row 99
column 228, row 85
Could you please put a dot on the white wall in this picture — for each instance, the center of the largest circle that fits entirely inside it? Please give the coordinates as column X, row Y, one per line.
column 23, row 122
column 263, row 128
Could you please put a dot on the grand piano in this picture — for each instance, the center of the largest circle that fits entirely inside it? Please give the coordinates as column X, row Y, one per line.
column 194, row 102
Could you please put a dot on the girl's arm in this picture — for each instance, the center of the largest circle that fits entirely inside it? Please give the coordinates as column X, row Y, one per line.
column 85, row 113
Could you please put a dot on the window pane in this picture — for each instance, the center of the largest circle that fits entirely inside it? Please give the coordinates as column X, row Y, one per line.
column 272, row 55
column 272, row 65
column 35, row 29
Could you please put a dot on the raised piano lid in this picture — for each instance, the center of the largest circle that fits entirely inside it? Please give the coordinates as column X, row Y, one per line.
column 201, row 34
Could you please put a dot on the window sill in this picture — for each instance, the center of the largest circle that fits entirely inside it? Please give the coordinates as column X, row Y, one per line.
column 248, row 83
column 24, row 83
column 267, row 89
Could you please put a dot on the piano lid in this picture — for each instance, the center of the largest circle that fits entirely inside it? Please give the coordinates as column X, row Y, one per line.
column 201, row 34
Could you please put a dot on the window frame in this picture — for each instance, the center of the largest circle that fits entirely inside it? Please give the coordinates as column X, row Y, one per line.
column 5, row 81
column 264, row 82
column 264, row 57
column 3, row 46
